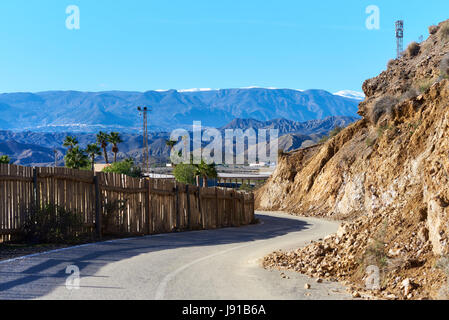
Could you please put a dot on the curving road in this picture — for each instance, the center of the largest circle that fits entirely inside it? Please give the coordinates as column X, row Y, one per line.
column 214, row 264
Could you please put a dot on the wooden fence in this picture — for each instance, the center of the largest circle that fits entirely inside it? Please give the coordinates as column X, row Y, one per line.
column 116, row 204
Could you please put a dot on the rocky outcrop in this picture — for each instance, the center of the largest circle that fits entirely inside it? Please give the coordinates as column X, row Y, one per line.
column 386, row 175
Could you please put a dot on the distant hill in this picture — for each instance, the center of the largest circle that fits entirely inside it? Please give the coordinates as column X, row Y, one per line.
column 37, row 148
column 64, row 111
column 285, row 126
column 27, row 154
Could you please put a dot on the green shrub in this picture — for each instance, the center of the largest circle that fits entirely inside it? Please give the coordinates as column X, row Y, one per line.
column 370, row 142
column 414, row 126
column 126, row 167
column 425, row 85
column 76, row 158
column 331, row 134
column 246, row 187
column 51, row 224
column 185, row 173
column 5, row 160
column 335, row 131
column 444, row 67
column 381, row 130
column 112, row 212
column 375, row 253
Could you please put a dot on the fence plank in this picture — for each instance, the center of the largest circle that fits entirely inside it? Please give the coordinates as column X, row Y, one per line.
column 98, row 225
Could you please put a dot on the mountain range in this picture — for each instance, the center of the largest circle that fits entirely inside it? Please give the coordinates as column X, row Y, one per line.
column 319, row 127
column 89, row 112
column 37, row 148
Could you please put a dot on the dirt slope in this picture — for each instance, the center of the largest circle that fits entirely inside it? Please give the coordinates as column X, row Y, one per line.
column 386, row 175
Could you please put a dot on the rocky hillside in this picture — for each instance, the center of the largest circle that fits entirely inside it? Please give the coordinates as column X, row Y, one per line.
column 387, row 175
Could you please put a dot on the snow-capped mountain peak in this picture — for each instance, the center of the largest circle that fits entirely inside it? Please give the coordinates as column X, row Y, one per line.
column 351, row 94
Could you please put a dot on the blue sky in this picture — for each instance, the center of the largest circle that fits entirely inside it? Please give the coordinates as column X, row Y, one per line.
column 144, row 45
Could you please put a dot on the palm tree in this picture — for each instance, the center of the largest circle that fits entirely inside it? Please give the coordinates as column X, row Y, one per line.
column 206, row 171
column 102, row 140
column 171, row 144
column 76, row 158
column 92, row 151
column 5, row 160
column 115, row 139
column 70, row 142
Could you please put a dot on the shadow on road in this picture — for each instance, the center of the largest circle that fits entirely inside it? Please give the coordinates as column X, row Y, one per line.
column 37, row 276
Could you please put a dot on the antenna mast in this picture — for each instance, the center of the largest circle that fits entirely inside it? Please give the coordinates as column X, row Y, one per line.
column 399, row 37
column 55, row 151
column 146, row 151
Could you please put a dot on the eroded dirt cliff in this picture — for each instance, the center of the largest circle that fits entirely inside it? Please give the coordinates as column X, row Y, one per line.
column 387, row 176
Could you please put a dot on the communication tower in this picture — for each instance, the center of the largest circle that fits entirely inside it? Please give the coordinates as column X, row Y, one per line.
column 399, row 37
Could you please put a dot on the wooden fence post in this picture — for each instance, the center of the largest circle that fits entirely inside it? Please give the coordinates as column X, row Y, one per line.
column 36, row 195
column 234, row 208
column 216, row 209
column 252, row 213
column 242, row 214
column 148, row 205
column 97, row 207
column 189, row 212
column 200, row 207
column 238, row 210
column 178, row 216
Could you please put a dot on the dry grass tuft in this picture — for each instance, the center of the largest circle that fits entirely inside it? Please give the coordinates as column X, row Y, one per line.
column 413, row 49
column 433, row 29
column 383, row 106
column 444, row 67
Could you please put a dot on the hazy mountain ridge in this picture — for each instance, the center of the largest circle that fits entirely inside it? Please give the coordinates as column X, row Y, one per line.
column 37, row 148
column 287, row 126
column 64, row 111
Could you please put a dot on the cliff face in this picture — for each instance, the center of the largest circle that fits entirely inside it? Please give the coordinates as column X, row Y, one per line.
column 387, row 175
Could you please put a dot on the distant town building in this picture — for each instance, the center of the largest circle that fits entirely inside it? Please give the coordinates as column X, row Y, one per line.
column 257, row 165
column 98, row 167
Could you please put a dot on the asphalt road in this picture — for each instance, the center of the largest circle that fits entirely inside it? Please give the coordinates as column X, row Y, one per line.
column 213, row 264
